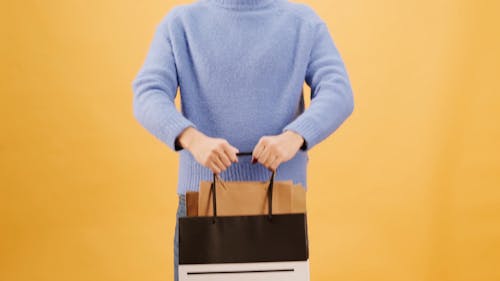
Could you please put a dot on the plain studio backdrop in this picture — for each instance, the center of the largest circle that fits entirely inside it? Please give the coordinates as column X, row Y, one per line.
column 406, row 189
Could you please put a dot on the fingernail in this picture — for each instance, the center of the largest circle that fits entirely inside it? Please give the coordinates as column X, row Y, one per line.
column 254, row 160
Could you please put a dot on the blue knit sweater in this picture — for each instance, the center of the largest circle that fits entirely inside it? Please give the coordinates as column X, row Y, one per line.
column 240, row 66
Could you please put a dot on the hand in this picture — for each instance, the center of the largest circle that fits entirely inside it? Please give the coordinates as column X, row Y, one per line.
column 271, row 151
column 214, row 153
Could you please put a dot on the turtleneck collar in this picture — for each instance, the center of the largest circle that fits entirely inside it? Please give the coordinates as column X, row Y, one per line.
column 242, row 4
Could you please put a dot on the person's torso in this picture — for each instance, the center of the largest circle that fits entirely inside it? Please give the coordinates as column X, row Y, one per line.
column 241, row 76
column 241, row 73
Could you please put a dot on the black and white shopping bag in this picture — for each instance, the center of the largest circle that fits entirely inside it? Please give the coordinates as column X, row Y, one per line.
column 271, row 247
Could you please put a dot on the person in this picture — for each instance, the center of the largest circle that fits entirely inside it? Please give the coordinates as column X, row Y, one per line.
column 240, row 66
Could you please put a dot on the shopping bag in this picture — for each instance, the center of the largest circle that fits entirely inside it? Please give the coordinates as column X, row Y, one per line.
column 244, row 247
column 192, row 203
column 246, row 198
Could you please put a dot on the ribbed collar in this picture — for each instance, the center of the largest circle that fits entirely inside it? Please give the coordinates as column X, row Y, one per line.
column 242, row 4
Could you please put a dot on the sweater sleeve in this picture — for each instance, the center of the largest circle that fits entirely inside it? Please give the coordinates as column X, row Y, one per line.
column 331, row 93
column 155, row 88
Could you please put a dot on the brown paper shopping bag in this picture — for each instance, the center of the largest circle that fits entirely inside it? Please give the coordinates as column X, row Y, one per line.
column 246, row 197
column 249, row 198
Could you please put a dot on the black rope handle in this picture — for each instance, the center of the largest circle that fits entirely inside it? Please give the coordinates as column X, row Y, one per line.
column 269, row 191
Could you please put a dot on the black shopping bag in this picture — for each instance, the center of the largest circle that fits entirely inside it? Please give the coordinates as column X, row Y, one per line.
column 251, row 247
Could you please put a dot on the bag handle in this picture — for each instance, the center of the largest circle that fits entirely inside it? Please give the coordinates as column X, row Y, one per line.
column 269, row 191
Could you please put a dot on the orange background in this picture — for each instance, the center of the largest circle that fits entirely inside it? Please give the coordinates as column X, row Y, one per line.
column 407, row 188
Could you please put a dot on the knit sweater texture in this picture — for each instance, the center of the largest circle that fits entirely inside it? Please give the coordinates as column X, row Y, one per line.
column 240, row 66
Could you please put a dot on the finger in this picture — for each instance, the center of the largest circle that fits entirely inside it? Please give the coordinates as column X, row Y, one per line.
column 257, row 150
column 269, row 160
column 231, row 153
column 224, row 158
column 274, row 165
column 218, row 162
column 264, row 155
column 235, row 152
column 215, row 169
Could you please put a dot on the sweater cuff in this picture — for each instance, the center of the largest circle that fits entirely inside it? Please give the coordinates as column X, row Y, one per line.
column 308, row 131
column 177, row 144
column 172, row 127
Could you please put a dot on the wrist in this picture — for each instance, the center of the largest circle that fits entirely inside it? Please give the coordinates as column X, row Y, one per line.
column 188, row 136
column 296, row 137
